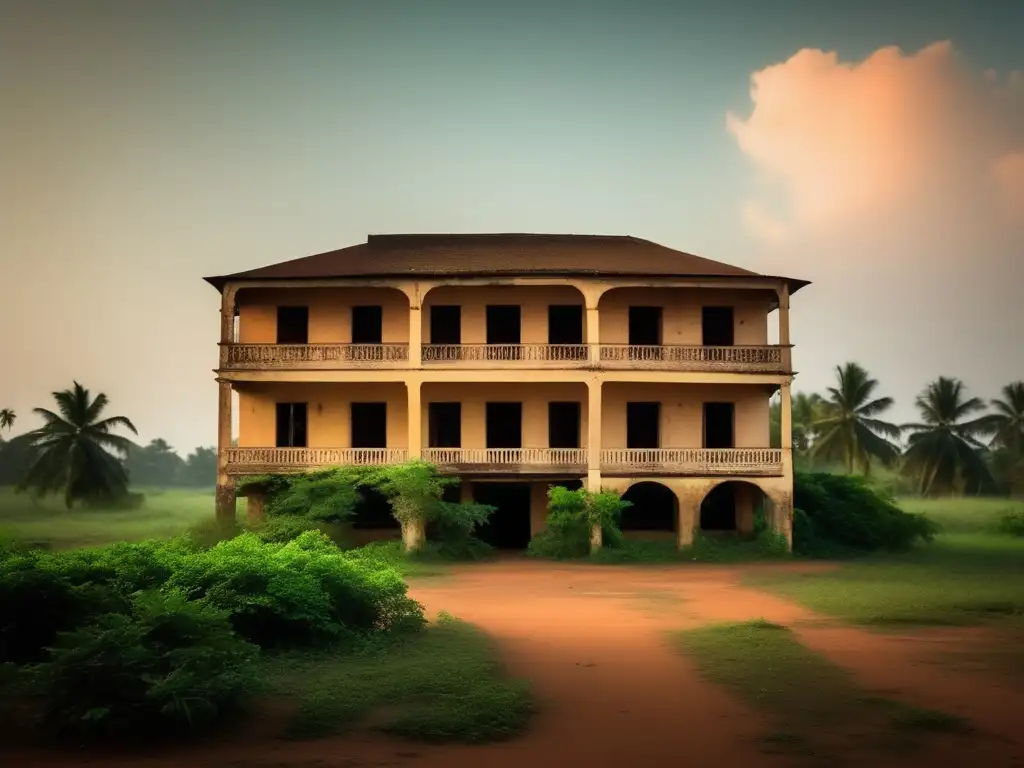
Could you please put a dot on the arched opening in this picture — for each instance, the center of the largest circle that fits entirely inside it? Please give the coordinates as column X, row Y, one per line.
column 732, row 506
column 373, row 512
column 653, row 512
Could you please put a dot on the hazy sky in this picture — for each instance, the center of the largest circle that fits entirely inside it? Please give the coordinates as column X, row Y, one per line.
column 875, row 148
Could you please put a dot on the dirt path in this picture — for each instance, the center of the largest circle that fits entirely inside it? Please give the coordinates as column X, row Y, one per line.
column 612, row 691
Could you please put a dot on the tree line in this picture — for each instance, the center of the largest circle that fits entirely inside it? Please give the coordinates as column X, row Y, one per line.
column 959, row 445
column 77, row 452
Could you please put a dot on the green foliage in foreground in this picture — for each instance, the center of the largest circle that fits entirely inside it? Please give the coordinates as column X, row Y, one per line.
column 1011, row 523
column 813, row 704
column 444, row 685
column 572, row 515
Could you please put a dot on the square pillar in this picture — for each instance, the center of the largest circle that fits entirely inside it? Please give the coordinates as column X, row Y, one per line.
column 538, row 507
column 594, row 335
column 594, row 448
column 225, row 493
column 414, row 418
column 689, row 515
column 786, row 416
column 784, row 342
column 415, row 337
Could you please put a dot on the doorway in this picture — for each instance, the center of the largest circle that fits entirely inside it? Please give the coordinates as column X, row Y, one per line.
column 444, row 425
column 291, row 424
column 718, row 510
column 717, row 327
column 504, row 425
column 504, row 330
column 509, row 525
column 565, row 328
column 293, row 325
column 564, row 425
column 719, row 425
column 643, row 425
column 369, row 424
column 367, row 325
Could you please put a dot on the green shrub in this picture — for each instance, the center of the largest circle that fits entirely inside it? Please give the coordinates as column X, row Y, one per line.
column 572, row 516
column 845, row 513
column 327, row 496
column 1011, row 522
column 304, row 592
column 167, row 665
column 452, row 528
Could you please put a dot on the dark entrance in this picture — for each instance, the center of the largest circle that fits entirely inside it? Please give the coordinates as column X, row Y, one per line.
column 444, row 425
column 564, row 425
column 291, row 425
column 504, row 425
column 293, row 325
column 509, row 524
column 654, row 508
column 718, row 510
column 645, row 326
column 373, row 512
column 369, row 425
column 367, row 325
column 718, row 329
column 565, row 324
column 718, row 425
column 504, row 328
column 446, row 324
column 643, row 425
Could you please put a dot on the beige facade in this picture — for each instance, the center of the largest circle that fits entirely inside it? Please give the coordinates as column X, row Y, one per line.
column 662, row 413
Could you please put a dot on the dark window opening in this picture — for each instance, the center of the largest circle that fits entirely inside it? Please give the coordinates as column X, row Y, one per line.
column 373, row 511
column 367, row 325
column 291, row 425
column 444, row 425
column 565, row 327
column 718, row 510
column 643, row 425
column 645, row 326
column 369, row 425
column 564, row 425
column 293, row 325
column 654, row 508
column 504, row 328
column 717, row 327
column 509, row 525
column 718, row 425
column 446, row 324
column 504, row 425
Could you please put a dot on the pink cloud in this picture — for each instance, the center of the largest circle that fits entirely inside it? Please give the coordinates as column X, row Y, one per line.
column 912, row 139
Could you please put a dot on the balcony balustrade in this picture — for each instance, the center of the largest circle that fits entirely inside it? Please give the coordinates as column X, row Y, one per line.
column 254, row 461
column 734, row 359
column 762, row 462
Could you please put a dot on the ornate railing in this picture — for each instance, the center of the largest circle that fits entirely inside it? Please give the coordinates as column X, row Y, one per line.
column 259, row 460
column 555, row 354
column 762, row 359
column 313, row 355
column 508, row 459
column 692, row 461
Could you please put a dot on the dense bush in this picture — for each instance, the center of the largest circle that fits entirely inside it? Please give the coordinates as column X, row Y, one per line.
column 572, row 516
column 164, row 666
column 304, row 592
column 1011, row 522
column 845, row 513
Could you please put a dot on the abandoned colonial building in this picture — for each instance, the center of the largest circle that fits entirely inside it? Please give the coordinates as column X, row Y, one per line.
column 516, row 362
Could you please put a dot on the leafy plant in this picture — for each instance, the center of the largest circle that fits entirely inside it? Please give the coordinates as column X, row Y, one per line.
column 1011, row 523
column 572, row 516
column 167, row 665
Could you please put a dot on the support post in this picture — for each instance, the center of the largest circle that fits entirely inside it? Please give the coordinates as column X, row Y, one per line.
column 784, row 342
column 594, row 410
column 594, row 335
column 786, row 416
column 690, row 499
column 414, row 418
column 415, row 335
column 225, row 493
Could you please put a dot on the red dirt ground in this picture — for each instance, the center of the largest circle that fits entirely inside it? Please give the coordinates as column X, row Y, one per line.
column 612, row 691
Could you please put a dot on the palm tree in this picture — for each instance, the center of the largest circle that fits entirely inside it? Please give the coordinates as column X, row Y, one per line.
column 807, row 410
column 7, row 418
column 848, row 428
column 944, row 451
column 1006, row 424
column 76, row 451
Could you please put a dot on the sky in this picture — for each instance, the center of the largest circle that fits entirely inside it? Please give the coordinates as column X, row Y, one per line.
column 876, row 149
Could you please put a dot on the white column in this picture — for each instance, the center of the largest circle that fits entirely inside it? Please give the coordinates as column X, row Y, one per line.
column 786, row 416
column 414, row 416
column 415, row 337
column 594, row 334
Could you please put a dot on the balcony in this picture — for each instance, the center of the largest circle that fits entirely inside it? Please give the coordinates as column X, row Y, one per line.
column 674, row 357
column 508, row 460
column 313, row 356
column 735, row 359
column 700, row 462
column 256, row 461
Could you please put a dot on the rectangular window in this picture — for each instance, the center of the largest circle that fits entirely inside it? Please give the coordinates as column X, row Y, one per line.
column 367, row 325
column 293, row 325
column 717, row 327
column 643, row 425
column 564, row 425
column 291, row 425
column 504, row 425
column 444, row 425
column 369, row 425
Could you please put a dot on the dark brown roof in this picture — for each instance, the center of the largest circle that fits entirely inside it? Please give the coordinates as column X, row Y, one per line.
column 386, row 256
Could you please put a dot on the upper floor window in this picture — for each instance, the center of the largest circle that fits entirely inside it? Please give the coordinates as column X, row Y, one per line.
column 367, row 325
column 293, row 325
column 291, row 425
column 717, row 327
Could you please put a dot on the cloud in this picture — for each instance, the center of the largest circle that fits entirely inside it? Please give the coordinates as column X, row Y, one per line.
column 895, row 139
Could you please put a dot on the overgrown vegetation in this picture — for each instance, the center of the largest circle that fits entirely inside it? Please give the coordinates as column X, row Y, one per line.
column 814, row 705
column 572, row 516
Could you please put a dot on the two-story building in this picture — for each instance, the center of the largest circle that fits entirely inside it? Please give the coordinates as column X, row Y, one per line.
column 517, row 362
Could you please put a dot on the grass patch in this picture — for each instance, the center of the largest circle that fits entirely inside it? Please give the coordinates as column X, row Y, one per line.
column 705, row 549
column 968, row 575
column 165, row 513
column 814, row 705
column 444, row 685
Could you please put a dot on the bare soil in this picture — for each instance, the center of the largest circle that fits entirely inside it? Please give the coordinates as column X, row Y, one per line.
column 611, row 690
